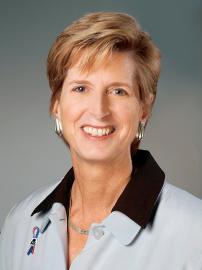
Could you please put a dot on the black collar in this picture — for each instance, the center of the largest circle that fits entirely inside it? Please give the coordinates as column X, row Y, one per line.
column 137, row 201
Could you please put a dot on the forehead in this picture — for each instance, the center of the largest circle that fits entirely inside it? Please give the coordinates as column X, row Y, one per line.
column 121, row 64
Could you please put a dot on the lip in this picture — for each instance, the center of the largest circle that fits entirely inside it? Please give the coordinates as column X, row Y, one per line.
column 97, row 138
column 95, row 126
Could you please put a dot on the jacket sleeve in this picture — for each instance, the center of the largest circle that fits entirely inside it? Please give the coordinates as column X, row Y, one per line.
column 3, row 247
column 6, row 233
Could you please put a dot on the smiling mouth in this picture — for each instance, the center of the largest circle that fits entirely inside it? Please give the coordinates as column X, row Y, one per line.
column 98, row 132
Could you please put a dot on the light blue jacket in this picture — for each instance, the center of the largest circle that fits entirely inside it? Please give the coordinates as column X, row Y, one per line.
column 173, row 241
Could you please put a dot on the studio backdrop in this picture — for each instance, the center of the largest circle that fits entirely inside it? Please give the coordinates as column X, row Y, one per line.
column 31, row 155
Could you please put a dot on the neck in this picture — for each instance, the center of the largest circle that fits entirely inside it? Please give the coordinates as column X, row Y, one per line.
column 96, row 188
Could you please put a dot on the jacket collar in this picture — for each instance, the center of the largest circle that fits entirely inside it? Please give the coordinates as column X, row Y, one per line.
column 138, row 200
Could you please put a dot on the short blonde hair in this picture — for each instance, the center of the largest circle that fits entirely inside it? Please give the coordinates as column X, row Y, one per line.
column 96, row 36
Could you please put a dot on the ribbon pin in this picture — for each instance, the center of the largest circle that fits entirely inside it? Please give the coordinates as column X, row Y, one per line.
column 34, row 240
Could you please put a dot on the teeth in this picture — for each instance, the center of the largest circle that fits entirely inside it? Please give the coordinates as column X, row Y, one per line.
column 98, row 131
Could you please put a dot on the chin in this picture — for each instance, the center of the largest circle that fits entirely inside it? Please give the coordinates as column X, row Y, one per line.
column 95, row 156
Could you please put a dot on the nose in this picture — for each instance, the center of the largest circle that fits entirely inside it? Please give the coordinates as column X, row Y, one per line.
column 99, row 106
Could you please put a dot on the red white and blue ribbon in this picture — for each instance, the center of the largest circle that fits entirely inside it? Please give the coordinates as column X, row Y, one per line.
column 36, row 232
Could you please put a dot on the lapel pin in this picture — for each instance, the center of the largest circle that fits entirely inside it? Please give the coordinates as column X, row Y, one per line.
column 36, row 232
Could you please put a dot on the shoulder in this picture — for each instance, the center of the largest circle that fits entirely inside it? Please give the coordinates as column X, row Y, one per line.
column 18, row 223
column 185, row 200
column 182, row 206
column 25, row 207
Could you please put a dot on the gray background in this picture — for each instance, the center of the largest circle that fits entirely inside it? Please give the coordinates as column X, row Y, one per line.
column 31, row 154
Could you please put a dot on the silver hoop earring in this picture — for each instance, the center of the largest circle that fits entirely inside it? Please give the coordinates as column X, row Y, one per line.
column 58, row 127
column 140, row 133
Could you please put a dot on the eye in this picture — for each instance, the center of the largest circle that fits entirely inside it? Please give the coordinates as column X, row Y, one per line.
column 119, row 92
column 79, row 89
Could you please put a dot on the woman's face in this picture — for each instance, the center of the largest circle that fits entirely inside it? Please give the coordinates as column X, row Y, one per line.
column 100, row 110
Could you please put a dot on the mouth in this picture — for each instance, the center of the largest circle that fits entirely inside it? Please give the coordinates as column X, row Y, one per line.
column 98, row 131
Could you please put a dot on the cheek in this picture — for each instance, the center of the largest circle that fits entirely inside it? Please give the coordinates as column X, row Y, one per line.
column 69, row 110
column 130, row 113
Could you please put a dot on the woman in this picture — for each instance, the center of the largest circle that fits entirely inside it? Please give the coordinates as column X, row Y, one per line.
column 114, row 207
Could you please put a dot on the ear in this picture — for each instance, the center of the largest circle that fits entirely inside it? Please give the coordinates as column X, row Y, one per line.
column 146, row 108
column 144, row 114
column 56, row 109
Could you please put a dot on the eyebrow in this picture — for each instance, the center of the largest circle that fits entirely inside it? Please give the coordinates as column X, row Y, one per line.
column 110, row 85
